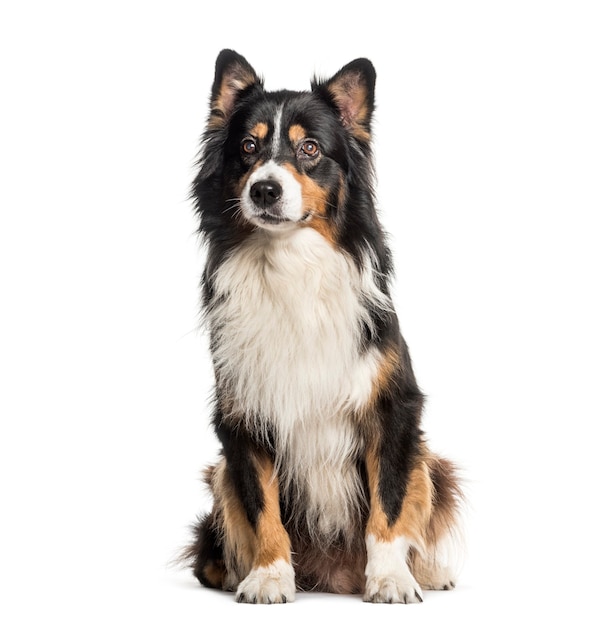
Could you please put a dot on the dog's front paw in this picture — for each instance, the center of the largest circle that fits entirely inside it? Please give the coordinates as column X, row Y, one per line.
column 272, row 584
column 393, row 589
column 388, row 577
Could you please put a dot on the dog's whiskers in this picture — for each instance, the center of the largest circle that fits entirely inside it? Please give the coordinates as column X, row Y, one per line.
column 234, row 207
column 310, row 197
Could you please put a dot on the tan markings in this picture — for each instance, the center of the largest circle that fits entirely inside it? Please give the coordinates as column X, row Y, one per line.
column 273, row 542
column 235, row 79
column 377, row 524
column 447, row 497
column 315, row 200
column 386, row 370
column 243, row 547
column 417, row 506
column 360, row 133
column 296, row 133
column 416, row 510
column 443, row 528
column 239, row 538
column 341, row 195
column 351, row 96
column 215, row 573
column 324, row 227
column 260, row 130
column 217, row 118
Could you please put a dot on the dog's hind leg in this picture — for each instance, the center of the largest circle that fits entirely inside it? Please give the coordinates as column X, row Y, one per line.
column 437, row 567
column 206, row 554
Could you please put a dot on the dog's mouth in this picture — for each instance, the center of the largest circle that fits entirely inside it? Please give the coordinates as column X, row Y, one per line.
column 269, row 218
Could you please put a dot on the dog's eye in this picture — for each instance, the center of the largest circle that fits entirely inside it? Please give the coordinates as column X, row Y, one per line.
column 249, row 146
column 309, row 148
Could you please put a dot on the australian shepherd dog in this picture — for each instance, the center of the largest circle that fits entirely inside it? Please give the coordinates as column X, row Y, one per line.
column 324, row 481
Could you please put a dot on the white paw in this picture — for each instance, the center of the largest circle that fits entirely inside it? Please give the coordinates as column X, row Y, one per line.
column 393, row 589
column 440, row 579
column 273, row 584
column 388, row 578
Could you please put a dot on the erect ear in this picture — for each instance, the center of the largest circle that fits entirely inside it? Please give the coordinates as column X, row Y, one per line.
column 351, row 90
column 233, row 76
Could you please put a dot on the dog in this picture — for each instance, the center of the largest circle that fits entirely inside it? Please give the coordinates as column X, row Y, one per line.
column 325, row 481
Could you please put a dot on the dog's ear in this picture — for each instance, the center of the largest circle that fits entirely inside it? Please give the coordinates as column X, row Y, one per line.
column 351, row 91
column 233, row 77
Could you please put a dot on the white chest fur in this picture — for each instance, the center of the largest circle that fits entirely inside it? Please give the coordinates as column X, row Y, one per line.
column 287, row 319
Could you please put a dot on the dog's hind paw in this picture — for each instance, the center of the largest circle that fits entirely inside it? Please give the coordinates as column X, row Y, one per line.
column 272, row 584
column 443, row 584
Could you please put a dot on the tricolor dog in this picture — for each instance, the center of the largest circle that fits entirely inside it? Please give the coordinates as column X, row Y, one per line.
column 325, row 481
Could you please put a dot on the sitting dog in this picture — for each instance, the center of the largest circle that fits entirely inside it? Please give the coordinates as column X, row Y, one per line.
column 325, row 481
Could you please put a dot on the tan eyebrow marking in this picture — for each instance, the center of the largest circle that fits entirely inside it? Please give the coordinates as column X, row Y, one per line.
column 296, row 133
column 260, row 130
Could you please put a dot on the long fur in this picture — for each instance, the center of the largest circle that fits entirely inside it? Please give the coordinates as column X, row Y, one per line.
column 325, row 480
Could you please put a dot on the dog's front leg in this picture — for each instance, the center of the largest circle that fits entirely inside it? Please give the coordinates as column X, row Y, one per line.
column 271, row 579
column 389, row 538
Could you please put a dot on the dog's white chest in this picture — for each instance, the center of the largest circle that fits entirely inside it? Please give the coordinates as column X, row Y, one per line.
column 286, row 325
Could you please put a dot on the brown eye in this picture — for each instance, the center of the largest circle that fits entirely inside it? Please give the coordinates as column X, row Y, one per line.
column 248, row 146
column 309, row 148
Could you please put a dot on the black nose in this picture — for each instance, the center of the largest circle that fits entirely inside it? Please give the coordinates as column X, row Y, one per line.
column 265, row 193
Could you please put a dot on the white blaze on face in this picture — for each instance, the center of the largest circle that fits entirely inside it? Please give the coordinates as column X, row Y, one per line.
column 277, row 131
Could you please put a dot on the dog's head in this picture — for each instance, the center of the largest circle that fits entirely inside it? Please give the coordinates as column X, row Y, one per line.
column 284, row 160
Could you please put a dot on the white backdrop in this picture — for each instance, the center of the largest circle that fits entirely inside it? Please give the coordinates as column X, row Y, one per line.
column 481, row 144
